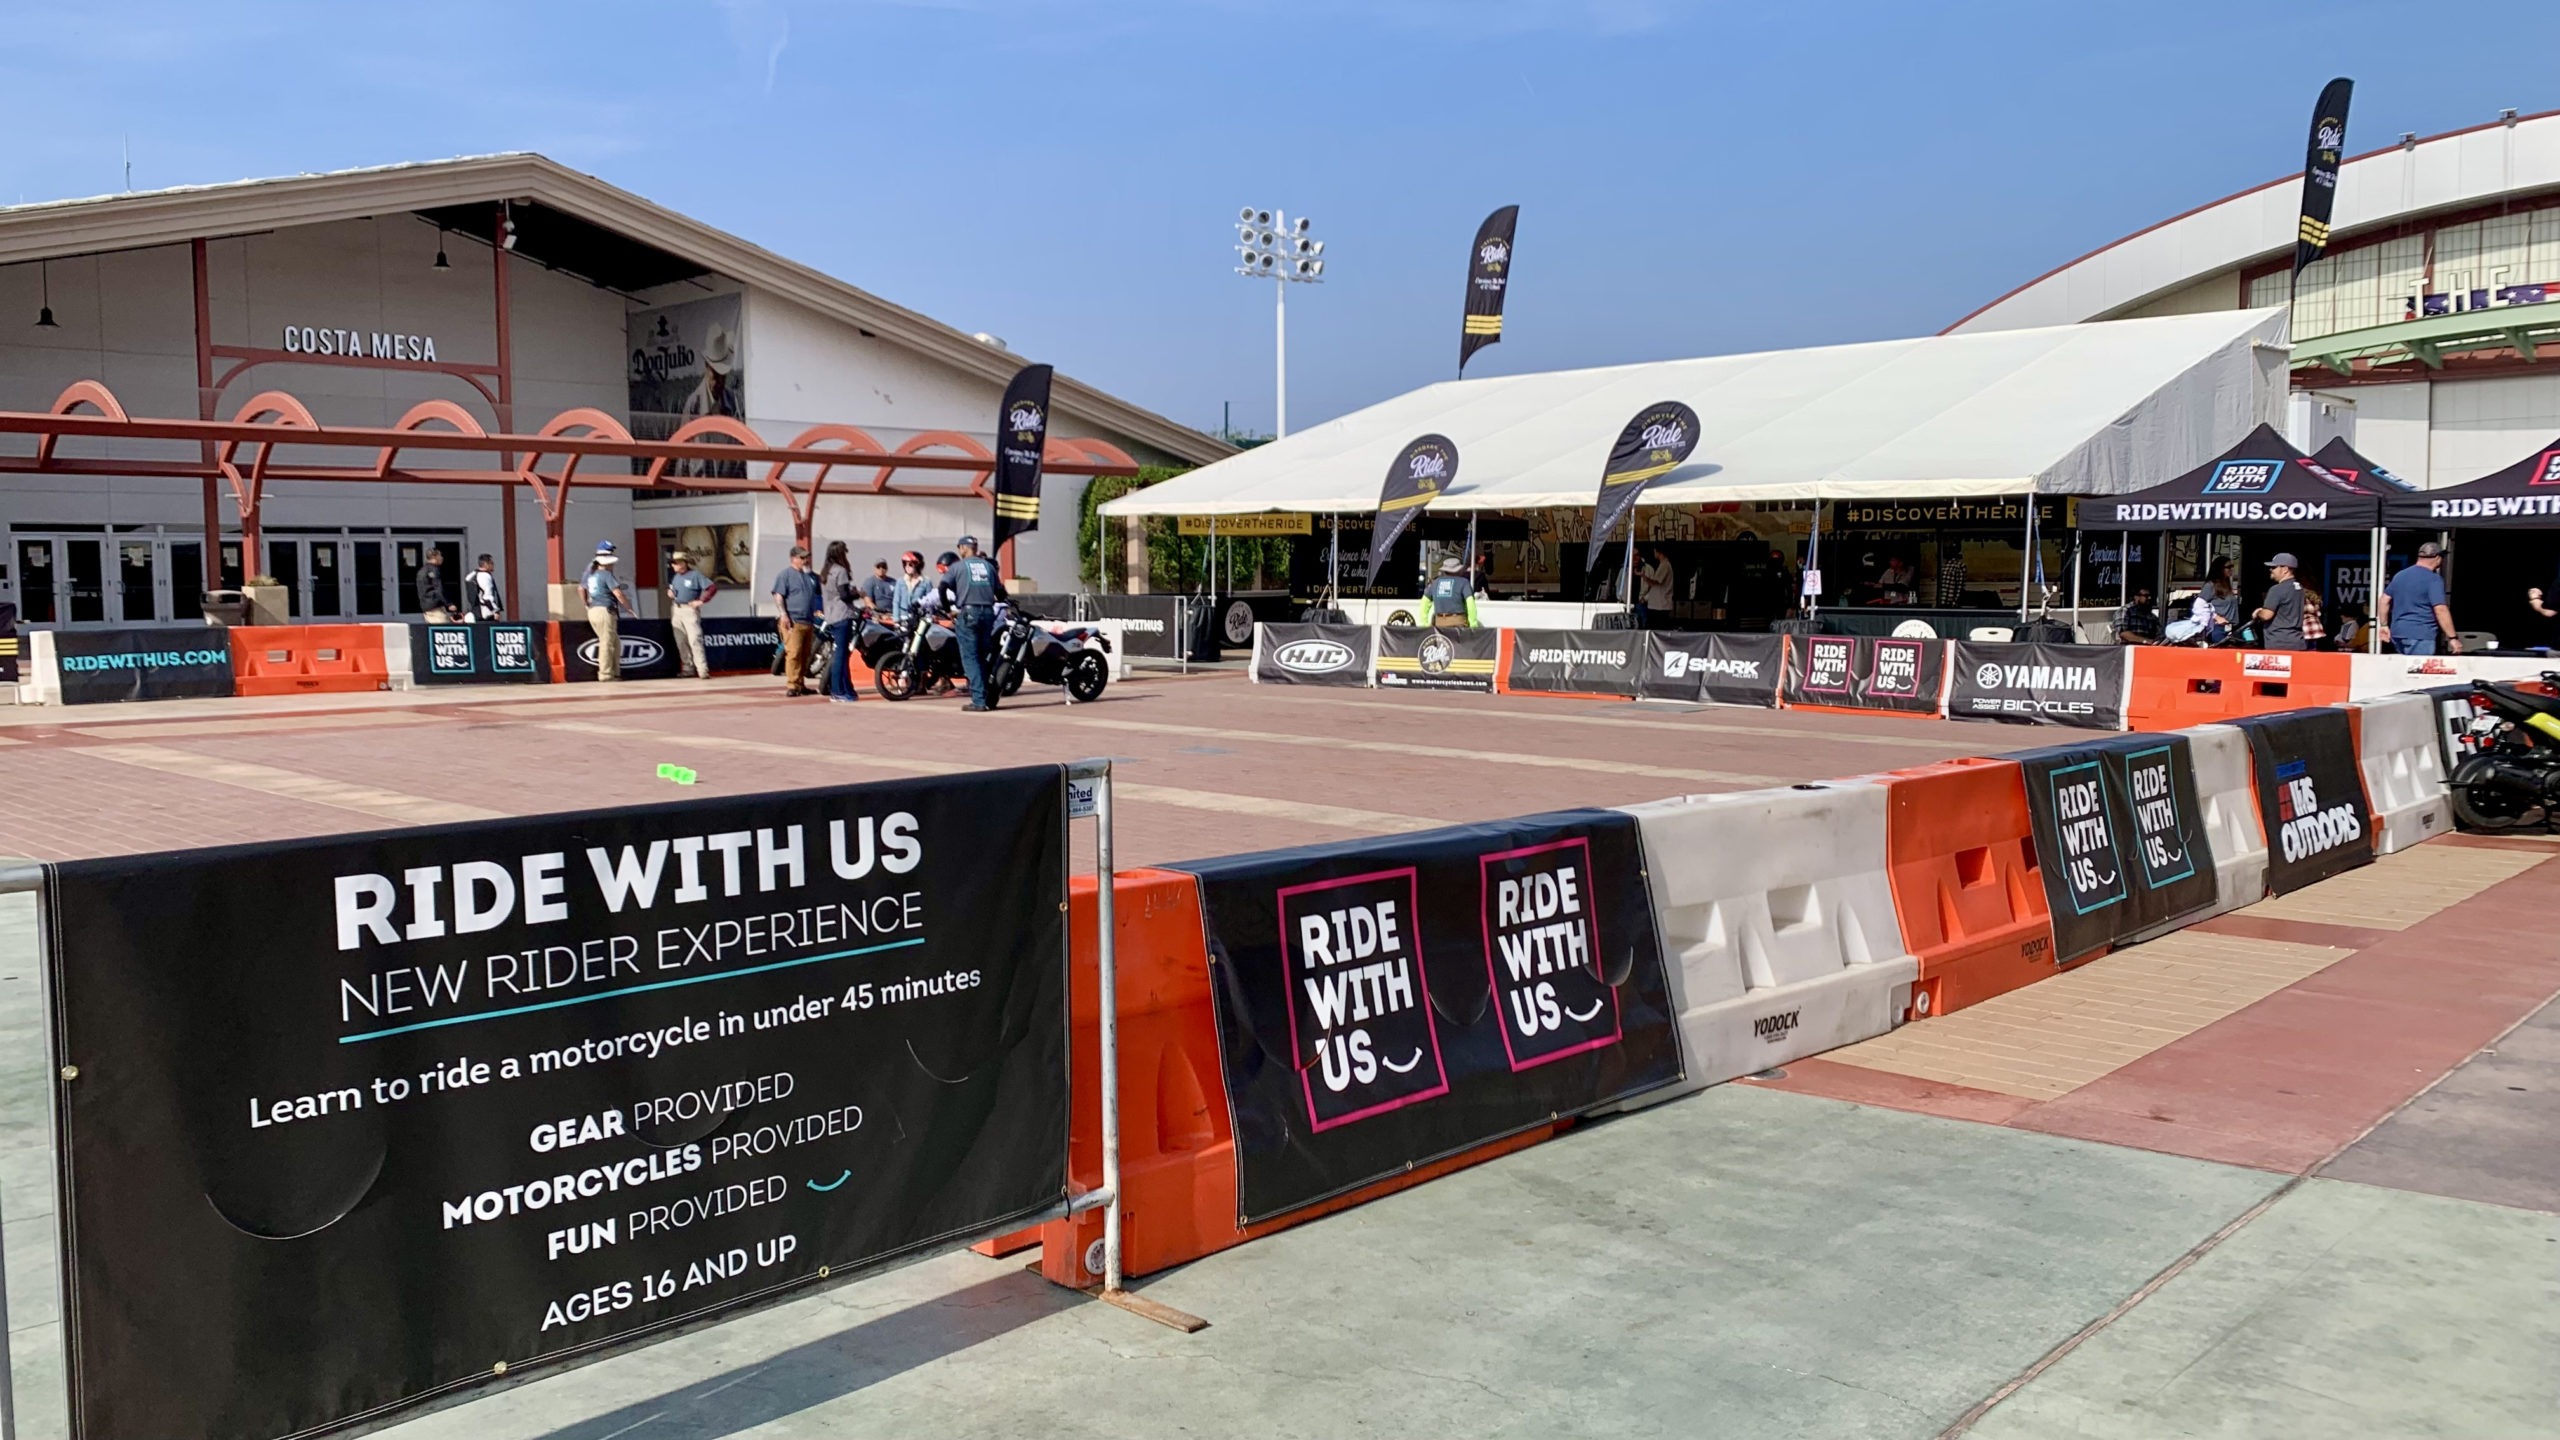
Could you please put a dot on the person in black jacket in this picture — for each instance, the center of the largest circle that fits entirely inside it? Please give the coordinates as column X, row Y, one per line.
column 431, row 596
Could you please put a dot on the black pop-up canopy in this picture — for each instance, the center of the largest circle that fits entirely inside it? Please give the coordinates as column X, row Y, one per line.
column 2342, row 460
column 2262, row 483
column 2523, row 496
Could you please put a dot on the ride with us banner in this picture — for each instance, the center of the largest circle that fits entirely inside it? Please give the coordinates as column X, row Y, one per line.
column 2119, row 829
column 1384, row 1004
column 351, row 1122
column 2082, row 686
column 1577, row 662
column 1867, row 672
column 2311, row 796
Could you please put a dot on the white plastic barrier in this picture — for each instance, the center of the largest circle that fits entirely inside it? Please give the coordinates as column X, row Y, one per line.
column 2226, row 786
column 396, row 659
column 39, row 669
column 2404, row 778
column 1777, row 921
column 2371, row 676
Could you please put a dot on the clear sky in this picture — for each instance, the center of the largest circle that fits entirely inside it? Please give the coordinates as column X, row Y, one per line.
column 1693, row 179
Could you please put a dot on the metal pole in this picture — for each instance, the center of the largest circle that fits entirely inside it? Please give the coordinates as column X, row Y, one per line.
column 2373, row 590
column 2124, row 568
column 1280, row 330
column 1627, row 570
column 1812, row 604
column 28, row 880
column 1106, row 954
column 1333, row 566
column 2027, row 560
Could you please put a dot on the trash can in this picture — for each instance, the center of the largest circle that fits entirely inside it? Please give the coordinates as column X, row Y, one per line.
column 226, row 607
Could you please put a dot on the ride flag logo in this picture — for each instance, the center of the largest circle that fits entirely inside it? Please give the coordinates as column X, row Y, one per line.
column 1359, row 1019
column 1542, row 949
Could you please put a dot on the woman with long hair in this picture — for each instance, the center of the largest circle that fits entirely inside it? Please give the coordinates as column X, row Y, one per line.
column 842, row 605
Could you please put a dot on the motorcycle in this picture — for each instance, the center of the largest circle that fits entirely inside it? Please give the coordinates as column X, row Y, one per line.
column 2510, row 773
column 909, row 658
column 1075, row 656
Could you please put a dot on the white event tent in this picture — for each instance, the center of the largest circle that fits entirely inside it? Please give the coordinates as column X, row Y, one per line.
column 2094, row 409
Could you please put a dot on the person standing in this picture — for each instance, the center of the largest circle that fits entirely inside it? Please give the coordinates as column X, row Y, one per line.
column 607, row 601
column 1448, row 594
column 880, row 593
column 687, row 590
column 431, row 597
column 839, row 605
column 480, row 599
column 2280, row 615
column 2414, row 608
column 1657, row 578
column 972, row 589
column 796, row 606
column 914, row 589
column 2315, row 620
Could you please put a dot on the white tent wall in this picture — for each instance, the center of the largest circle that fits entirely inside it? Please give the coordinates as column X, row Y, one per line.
column 2093, row 409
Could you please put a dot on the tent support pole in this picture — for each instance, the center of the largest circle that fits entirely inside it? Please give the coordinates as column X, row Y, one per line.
column 1333, row 567
column 1811, row 604
column 2075, row 579
column 2373, row 590
column 2027, row 560
column 2124, row 568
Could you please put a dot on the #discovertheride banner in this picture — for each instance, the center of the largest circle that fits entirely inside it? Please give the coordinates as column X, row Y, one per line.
column 351, row 1122
column 1389, row 1003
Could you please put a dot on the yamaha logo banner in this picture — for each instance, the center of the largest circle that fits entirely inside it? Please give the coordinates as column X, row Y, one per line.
column 2310, row 796
column 358, row 1116
column 1715, row 669
column 1652, row 445
column 1392, row 1002
column 1022, row 442
column 1867, row 672
column 2119, row 838
column 2038, row 684
column 1311, row 654
column 1419, row 658
column 2320, row 170
column 1421, row 472
column 1488, row 283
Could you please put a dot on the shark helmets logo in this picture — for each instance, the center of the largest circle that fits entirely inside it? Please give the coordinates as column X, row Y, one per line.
column 1314, row 657
column 1494, row 253
column 1437, row 655
column 638, row 651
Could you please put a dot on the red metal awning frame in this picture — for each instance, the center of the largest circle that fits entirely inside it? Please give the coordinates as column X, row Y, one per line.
column 241, row 452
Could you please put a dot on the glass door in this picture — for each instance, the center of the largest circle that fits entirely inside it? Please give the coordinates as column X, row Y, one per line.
column 138, row 581
column 368, row 561
column 284, row 561
column 186, row 579
column 85, row 562
column 38, row 602
column 328, row 598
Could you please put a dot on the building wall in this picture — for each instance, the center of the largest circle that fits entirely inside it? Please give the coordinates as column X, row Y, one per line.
column 2483, row 425
column 2213, row 292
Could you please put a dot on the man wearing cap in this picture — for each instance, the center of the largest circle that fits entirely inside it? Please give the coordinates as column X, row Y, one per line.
column 1449, row 595
column 687, row 589
column 795, row 603
column 2414, row 608
column 607, row 599
column 2280, row 618
column 880, row 592
column 972, row 589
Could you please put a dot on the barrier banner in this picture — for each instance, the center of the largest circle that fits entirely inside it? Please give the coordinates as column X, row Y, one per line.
column 2310, row 796
column 1578, row 662
column 8, row 644
column 1867, row 672
column 648, row 649
column 739, row 644
column 2039, row 684
column 1391, row 1002
column 1311, row 654
column 159, row 664
column 2119, row 827
column 480, row 653
column 359, row 1120
column 1416, row 657
column 1718, row 669
column 1161, row 626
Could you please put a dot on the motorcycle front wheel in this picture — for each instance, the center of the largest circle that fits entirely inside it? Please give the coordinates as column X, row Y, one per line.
column 1008, row 679
column 895, row 679
column 1086, row 675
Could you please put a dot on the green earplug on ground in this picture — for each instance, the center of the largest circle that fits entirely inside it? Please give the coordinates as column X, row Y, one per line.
column 677, row 773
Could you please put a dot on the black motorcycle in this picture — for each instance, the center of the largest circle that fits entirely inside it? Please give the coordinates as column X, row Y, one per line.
column 1077, row 657
column 2509, row 773
column 909, row 658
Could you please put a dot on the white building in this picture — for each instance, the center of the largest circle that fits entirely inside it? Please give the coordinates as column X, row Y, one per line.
column 365, row 292
column 2422, row 333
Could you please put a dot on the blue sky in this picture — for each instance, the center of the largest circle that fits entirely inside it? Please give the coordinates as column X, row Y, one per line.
column 1694, row 179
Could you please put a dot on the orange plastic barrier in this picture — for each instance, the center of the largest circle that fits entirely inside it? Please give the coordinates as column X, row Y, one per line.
column 1965, row 881
column 298, row 659
column 2175, row 686
column 1177, row 1152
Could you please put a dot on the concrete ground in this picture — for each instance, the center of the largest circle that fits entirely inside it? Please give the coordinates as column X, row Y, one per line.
column 2291, row 1172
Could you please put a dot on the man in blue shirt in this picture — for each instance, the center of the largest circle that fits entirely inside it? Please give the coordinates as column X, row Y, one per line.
column 795, row 603
column 687, row 589
column 607, row 601
column 880, row 592
column 972, row 589
column 2414, row 608
column 1448, row 595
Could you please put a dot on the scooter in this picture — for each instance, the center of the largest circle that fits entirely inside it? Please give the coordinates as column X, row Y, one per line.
column 1074, row 656
column 2511, row 773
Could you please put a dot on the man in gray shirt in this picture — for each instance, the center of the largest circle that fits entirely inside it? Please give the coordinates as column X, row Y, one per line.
column 2280, row 618
column 687, row 590
column 795, row 603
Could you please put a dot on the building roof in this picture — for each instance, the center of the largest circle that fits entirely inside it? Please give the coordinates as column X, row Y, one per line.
column 2089, row 409
column 667, row 244
column 2457, row 170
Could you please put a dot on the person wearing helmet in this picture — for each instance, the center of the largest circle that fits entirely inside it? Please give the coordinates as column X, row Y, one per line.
column 912, row 588
column 972, row 589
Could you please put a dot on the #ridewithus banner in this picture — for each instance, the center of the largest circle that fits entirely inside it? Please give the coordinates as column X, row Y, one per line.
column 2310, row 796
column 1867, row 672
column 2120, row 837
column 1392, row 1002
column 1577, row 662
column 1714, row 669
column 1416, row 657
column 357, row 1119
column 2037, row 684
column 1295, row 654
column 482, row 653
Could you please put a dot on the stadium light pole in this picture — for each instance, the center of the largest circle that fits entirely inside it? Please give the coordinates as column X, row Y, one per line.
column 1286, row 252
